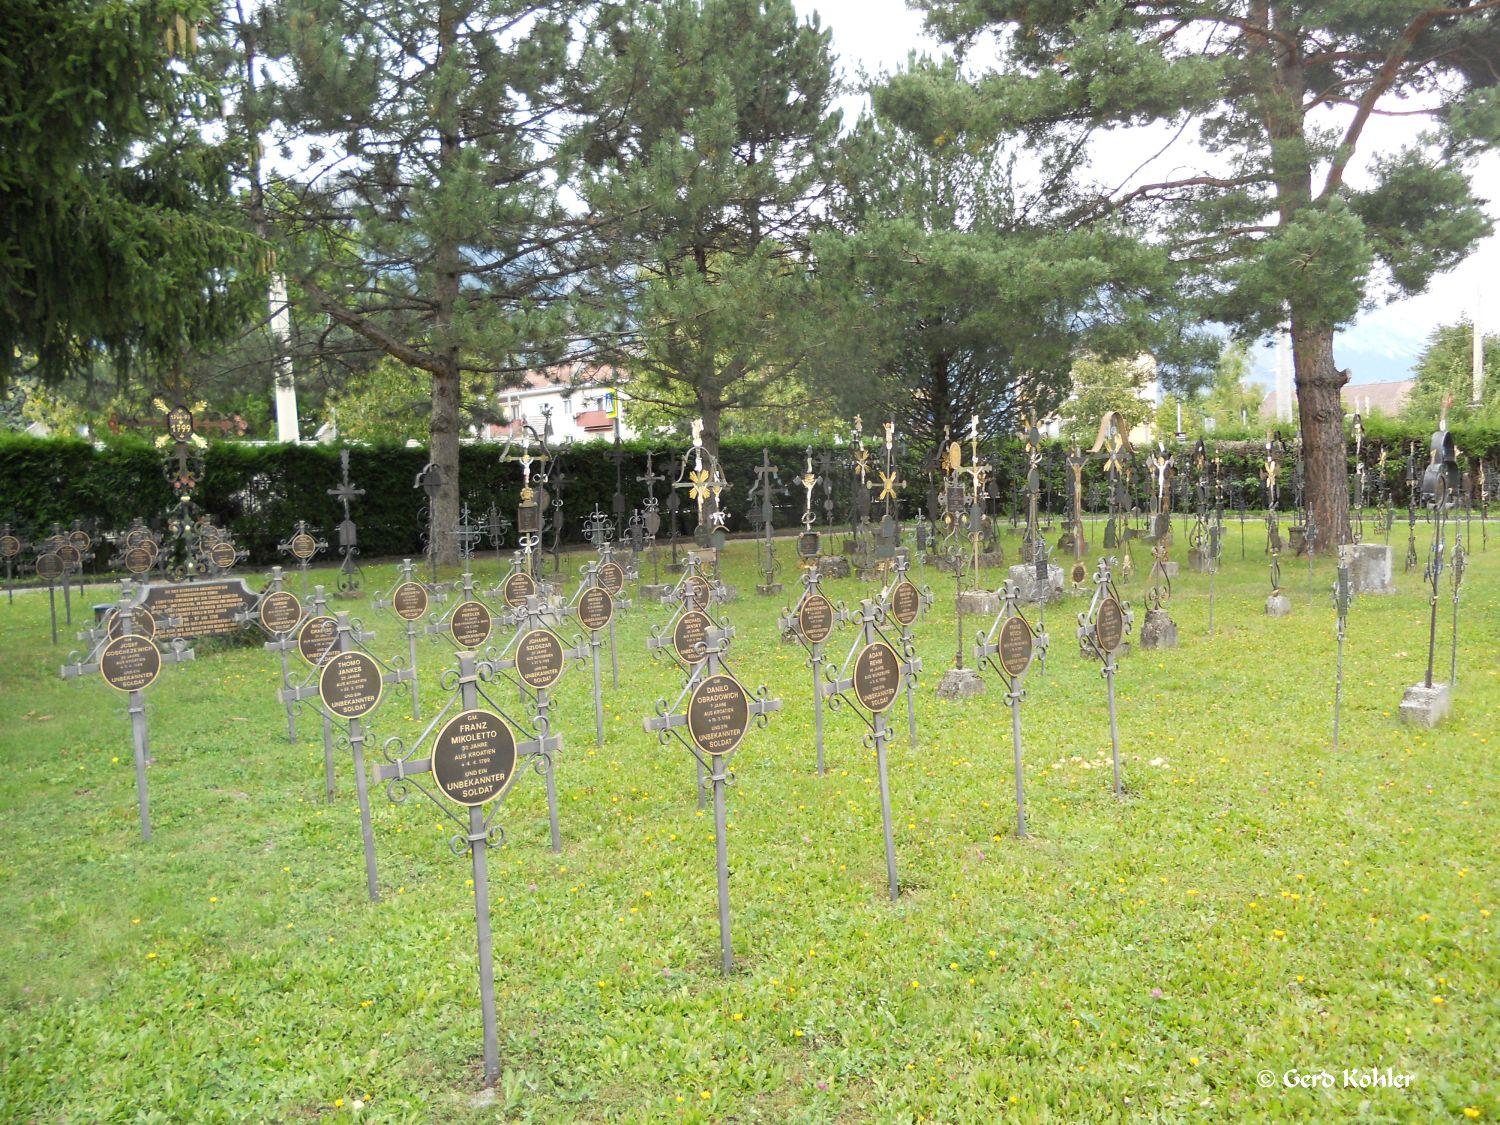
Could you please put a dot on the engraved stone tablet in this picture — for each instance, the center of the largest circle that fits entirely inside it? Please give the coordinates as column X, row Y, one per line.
column 471, row 624
column 280, row 612
column 718, row 714
column 130, row 663
column 350, row 685
column 474, row 757
column 877, row 676
column 409, row 601
column 595, row 608
column 205, row 609
column 539, row 658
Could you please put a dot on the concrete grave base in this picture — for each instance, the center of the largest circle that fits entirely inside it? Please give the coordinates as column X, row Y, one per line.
column 960, row 683
column 981, row 602
column 991, row 559
column 1024, row 577
column 833, row 566
column 1423, row 706
column 724, row 594
column 774, row 589
column 652, row 592
column 1198, row 560
column 1159, row 631
column 1278, row 605
column 1370, row 569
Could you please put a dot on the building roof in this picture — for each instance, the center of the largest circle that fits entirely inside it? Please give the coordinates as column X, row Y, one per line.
column 566, row 376
column 1361, row 398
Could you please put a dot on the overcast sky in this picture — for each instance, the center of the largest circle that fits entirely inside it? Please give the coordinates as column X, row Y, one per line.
column 877, row 35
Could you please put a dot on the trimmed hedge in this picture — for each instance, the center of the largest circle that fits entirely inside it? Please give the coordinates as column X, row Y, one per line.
column 259, row 492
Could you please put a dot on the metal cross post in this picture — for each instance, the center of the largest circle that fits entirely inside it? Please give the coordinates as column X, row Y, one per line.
column 278, row 614
column 716, row 712
column 811, row 621
column 408, row 599
column 1272, row 475
column 1215, row 537
column 1456, row 569
column 763, row 493
column 497, row 525
column 1343, row 595
column 1101, row 631
column 345, row 493
column 651, row 513
column 537, row 656
column 904, row 602
column 1440, row 485
column 302, row 544
column 1358, row 529
column 473, row 762
column 611, row 577
column 1114, row 441
column 11, row 545
column 868, row 682
column 590, row 576
column 1413, row 486
column 1009, row 648
column 674, row 504
column 130, row 662
column 888, row 542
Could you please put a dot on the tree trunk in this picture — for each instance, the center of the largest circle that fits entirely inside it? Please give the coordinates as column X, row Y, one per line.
column 1324, row 458
column 442, row 450
column 446, row 385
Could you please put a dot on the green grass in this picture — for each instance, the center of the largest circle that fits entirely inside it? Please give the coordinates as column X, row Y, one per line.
column 1256, row 902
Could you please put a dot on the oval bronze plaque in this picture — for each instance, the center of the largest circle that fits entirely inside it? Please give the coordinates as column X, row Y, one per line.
column 279, row 613
column 223, row 554
column 1109, row 625
column 316, row 638
column 595, row 608
column 877, row 676
column 49, row 567
column 138, row 560
column 350, row 685
column 689, row 635
column 10, row 546
column 130, row 663
column 612, row 578
column 470, row 624
column 68, row 555
column 81, row 540
column 815, row 618
column 142, row 624
column 409, row 601
column 136, row 537
column 304, row 546
column 906, row 600
column 539, row 658
column 1015, row 646
column 1080, row 572
column 695, row 591
column 518, row 587
column 718, row 714
column 474, row 757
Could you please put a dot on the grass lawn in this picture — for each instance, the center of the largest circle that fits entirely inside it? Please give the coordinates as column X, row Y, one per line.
column 1255, row 904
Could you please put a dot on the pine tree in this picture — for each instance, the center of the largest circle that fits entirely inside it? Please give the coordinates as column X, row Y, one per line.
column 1279, row 97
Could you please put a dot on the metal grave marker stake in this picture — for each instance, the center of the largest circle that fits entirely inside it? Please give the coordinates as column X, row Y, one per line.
column 812, row 621
column 1009, row 648
column 279, row 615
column 904, row 602
column 348, row 532
column 1101, row 631
column 868, row 683
column 129, row 662
column 1343, row 595
column 302, row 545
column 716, row 712
column 408, row 600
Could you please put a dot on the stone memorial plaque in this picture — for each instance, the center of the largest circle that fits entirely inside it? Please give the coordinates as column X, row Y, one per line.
column 518, row 587
column 223, row 554
column 316, row 639
column 474, row 757
column 280, row 612
column 409, row 601
column 203, row 609
column 1015, row 647
column 697, row 590
column 304, row 546
column 80, row 539
column 49, row 568
column 350, row 685
column 130, row 663
column 138, row 560
column 718, row 714
column 68, row 555
column 815, row 618
column 595, row 608
column 612, row 578
column 470, row 624
column 690, row 635
column 142, row 624
column 10, row 546
column 539, row 658
column 877, row 676
column 906, row 601
column 1109, row 625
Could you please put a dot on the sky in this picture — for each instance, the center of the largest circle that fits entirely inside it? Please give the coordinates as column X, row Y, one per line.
column 1381, row 344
